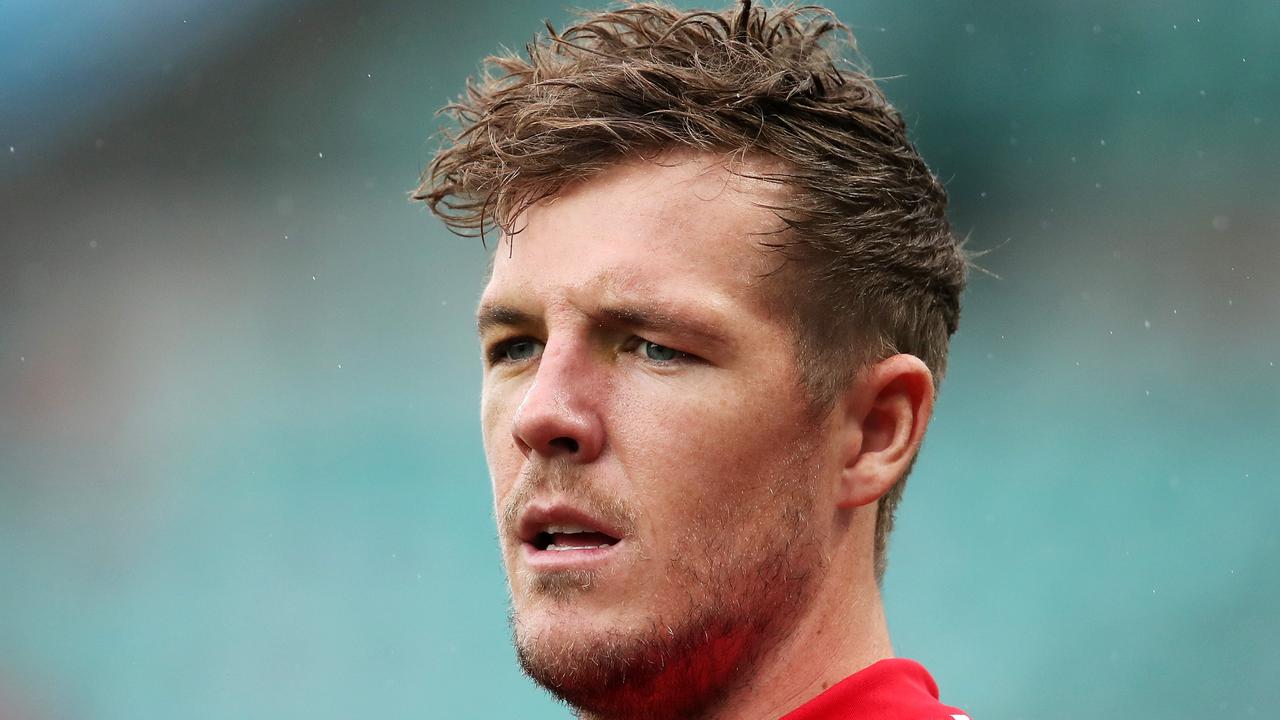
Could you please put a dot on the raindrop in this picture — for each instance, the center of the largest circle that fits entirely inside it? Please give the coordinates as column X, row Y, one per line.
column 93, row 244
column 1146, row 324
column 320, row 154
column 12, row 150
column 1102, row 142
column 339, row 366
column 969, row 28
column 1221, row 223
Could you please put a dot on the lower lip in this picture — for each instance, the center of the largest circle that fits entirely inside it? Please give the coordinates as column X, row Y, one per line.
column 551, row 560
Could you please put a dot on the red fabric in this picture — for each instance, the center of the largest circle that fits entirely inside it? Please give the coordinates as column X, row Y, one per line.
column 894, row 689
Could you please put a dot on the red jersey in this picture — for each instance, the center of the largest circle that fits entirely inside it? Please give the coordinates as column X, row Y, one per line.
column 894, row 689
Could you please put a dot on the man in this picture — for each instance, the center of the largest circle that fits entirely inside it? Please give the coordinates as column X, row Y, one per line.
column 712, row 337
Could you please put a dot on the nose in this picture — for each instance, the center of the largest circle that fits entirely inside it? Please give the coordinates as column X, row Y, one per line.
column 558, row 416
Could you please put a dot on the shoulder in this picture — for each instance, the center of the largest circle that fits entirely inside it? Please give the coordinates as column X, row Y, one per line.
column 893, row 689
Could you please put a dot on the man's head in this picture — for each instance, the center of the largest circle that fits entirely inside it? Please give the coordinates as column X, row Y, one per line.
column 711, row 339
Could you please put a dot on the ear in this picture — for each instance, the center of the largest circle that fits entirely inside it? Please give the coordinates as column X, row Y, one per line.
column 886, row 411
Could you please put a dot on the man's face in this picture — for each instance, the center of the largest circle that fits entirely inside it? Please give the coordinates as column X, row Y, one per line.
column 654, row 461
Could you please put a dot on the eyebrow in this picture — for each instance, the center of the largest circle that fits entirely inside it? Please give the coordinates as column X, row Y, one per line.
column 651, row 317
column 489, row 317
column 642, row 316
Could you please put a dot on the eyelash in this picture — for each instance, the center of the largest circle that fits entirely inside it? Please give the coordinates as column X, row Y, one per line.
column 636, row 341
column 497, row 351
column 495, row 354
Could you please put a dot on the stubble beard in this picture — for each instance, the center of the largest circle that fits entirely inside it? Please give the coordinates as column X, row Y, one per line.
column 745, row 592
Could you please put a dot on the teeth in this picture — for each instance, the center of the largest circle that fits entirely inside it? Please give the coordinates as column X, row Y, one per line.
column 567, row 529
column 562, row 548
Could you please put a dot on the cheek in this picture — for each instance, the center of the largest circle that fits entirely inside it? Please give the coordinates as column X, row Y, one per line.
column 690, row 452
column 501, row 453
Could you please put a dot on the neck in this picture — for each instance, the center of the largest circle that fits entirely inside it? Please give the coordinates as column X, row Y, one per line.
column 842, row 633
column 829, row 644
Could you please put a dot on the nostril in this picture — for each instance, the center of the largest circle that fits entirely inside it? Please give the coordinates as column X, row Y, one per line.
column 565, row 443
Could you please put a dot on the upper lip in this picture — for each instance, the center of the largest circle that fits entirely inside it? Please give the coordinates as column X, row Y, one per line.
column 537, row 515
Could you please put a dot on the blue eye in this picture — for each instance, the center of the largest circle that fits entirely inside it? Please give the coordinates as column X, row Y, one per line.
column 517, row 350
column 659, row 353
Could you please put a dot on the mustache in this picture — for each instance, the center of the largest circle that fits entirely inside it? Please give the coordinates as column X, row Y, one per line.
column 571, row 483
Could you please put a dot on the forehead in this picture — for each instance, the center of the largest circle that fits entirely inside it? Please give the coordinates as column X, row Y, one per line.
column 685, row 225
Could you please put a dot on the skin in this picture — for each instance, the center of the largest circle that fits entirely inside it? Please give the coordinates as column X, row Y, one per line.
column 638, row 372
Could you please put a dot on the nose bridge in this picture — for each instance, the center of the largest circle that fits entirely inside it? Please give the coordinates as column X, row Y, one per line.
column 557, row 415
column 552, row 385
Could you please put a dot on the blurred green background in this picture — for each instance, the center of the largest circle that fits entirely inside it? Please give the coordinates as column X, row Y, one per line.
column 240, row 471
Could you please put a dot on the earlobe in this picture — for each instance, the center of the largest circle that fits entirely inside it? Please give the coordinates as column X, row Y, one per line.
column 887, row 409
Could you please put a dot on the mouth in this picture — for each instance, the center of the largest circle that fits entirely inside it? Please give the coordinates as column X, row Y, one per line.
column 569, row 538
column 561, row 537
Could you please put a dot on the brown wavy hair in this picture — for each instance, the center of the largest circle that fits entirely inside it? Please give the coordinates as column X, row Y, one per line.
column 871, row 267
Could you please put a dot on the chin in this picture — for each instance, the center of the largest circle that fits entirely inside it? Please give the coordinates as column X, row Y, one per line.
column 604, row 667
